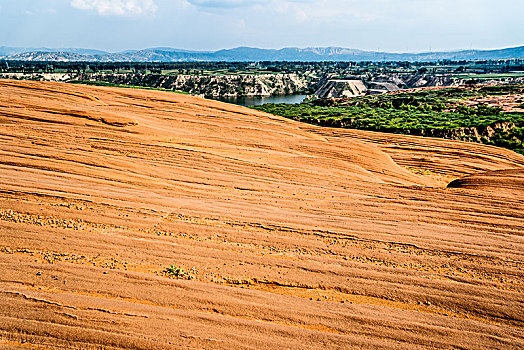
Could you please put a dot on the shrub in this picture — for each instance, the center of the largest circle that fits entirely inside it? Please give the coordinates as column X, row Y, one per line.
column 179, row 272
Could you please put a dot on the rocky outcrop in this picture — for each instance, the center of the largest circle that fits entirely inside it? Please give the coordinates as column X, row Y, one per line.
column 202, row 85
column 337, row 88
column 380, row 84
column 58, row 77
column 381, row 87
column 212, row 86
column 425, row 80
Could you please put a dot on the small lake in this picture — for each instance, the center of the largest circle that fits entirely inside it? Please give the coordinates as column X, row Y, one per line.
column 260, row 100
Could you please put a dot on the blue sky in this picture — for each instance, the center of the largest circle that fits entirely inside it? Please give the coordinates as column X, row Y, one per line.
column 388, row 25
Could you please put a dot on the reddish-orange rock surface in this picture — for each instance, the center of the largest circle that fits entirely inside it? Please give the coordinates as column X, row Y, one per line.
column 280, row 235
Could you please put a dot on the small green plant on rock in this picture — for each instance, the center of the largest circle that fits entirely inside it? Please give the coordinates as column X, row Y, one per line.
column 174, row 271
column 178, row 272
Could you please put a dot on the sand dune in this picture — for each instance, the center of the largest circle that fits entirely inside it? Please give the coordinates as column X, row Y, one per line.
column 289, row 235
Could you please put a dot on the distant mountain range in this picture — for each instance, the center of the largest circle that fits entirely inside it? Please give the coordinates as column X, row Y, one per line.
column 165, row 54
column 8, row 51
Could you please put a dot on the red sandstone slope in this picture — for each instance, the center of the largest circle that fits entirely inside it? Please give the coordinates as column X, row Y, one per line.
column 288, row 234
column 509, row 180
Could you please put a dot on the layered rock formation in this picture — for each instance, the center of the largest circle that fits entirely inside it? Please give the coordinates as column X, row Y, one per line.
column 153, row 220
column 212, row 86
column 338, row 88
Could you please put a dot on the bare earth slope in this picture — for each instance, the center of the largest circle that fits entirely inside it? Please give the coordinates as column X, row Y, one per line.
column 289, row 235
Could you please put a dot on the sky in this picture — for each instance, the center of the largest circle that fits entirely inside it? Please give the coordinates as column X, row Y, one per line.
column 383, row 25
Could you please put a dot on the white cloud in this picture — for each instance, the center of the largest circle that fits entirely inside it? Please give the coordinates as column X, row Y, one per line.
column 117, row 7
column 225, row 3
column 297, row 11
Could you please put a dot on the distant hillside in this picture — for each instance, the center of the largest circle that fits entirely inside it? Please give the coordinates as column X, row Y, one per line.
column 164, row 54
column 8, row 51
column 51, row 56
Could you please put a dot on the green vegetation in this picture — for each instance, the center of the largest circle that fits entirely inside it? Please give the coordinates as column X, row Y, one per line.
column 178, row 272
column 103, row 83
column 437, row 113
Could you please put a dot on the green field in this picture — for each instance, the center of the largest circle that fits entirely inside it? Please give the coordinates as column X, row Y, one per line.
column 488, row 76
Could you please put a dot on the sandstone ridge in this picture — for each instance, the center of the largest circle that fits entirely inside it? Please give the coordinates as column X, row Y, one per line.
column 198, row 224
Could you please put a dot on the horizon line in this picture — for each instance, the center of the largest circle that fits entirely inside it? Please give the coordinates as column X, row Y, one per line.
column 36, row 49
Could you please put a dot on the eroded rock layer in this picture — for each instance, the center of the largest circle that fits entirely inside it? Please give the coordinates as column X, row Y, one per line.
column 153, row 220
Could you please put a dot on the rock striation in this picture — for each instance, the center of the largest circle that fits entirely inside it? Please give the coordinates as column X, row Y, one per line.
column 338, row 88
column 137, row 219
column 212, row 86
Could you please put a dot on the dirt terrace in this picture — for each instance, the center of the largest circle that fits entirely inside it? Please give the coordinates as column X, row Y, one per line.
column 283, row 235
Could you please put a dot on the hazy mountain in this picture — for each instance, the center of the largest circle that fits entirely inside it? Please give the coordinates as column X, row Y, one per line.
column 8, row 51
column 165, row 54
column 46, row 56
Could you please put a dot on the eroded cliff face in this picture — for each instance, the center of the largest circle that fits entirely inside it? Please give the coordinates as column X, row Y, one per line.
column 212, row 86
column 336, row 88
column 55, row 77
column 379, row 84
column 429, row 80
column 481, row 134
